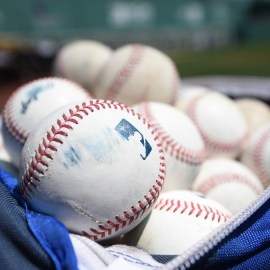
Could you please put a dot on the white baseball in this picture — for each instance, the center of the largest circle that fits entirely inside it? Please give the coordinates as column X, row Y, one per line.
column 256, row 112
column 229, row 182
column 29, row 104
column 187, row 93
column 256, row 154
column 180, row 140
column 179, row 219
column 221, row 124
column 81, row 61
column 137, row 73
column 96, row 166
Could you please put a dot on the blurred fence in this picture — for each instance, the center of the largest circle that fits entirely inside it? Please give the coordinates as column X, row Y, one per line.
column 168, row 24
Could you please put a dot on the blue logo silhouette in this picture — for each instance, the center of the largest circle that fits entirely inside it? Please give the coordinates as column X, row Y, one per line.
column 126, row 130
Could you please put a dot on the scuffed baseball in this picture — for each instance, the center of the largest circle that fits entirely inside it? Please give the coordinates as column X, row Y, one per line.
column 81, row 61
column 179, row 219
column 229, row 182
column 220, row 122
column 29, row 104
column 96, row 166
column 136, row 73
column 256, row 154
column 180, row 140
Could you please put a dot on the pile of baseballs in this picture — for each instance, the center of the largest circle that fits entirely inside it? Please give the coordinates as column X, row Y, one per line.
column 116, row 149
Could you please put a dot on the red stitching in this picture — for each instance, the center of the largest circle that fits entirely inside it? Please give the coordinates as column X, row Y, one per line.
column 169, row 144
column 12, row 125
column 224, row 178
column 17, row 132
column 125, row 72
column 257, row 157
column 191, row 209
column 210, row 142
column 39, row 164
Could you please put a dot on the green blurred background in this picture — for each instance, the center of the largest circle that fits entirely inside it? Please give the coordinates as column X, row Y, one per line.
column 207, row 37
column 246, row 59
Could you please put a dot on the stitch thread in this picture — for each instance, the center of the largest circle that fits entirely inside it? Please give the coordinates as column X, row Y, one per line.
column 135, row 57
column 191, row 209
column 169, row 144
column 224, row 178
column 125, row 72
column 17, row 132
column 49, row 145
column 210, row 142
column 257, row 157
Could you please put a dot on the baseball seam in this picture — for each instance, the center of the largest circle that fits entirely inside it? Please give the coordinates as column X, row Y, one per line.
column 169, row 144
column 191, row 208
column 220, row 179
column 125, row 72
column 257, row 157
column 39, row 164
column 12, row 125
column 212, row 143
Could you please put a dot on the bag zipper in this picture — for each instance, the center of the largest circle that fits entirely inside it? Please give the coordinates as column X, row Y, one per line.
column 197, row 251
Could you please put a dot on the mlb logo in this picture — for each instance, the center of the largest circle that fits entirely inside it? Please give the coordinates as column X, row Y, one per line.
column 127, row 130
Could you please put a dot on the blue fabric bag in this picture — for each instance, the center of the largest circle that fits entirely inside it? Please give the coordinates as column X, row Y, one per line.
column 30, row 240
column 34, row 241
column 242, row 243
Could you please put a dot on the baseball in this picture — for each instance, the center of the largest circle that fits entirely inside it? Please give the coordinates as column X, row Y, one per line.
column 29, row 104
column 187, row 94
column 220, row 122
column 256, row 112
column 180, row 140
column 229, row 182
column 179, row 219
column 96, row 166
column 137, row 73
column 81, row 61
column 256, row 154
